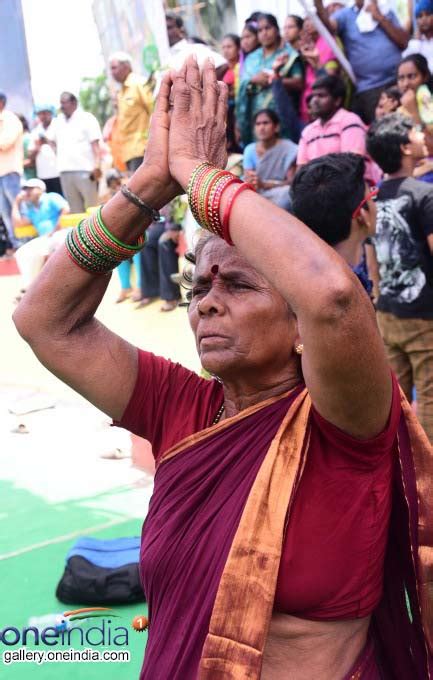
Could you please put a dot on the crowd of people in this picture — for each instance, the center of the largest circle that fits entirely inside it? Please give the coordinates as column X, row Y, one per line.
column 343, row 79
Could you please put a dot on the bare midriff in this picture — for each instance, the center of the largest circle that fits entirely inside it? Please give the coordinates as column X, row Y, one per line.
column 300, row 649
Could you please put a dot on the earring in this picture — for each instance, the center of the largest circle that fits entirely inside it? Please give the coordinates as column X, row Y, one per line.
column 299, row 348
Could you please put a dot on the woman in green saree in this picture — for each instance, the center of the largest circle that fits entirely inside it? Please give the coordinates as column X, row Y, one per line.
column 256, row 91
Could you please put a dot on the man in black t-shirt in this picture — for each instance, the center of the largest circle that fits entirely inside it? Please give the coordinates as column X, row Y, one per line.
column 404, row 247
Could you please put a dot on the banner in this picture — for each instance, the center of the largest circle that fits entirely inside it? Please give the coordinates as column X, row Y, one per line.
column 133, row 26
column 14, row 64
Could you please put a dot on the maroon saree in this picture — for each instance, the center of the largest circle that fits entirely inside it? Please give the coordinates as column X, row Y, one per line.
column 213, row 538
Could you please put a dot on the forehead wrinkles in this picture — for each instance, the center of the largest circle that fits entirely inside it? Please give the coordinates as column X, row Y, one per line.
column 227, row 258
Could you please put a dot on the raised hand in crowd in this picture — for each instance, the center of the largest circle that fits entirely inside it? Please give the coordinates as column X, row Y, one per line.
column 261, row 78
column 311, row 54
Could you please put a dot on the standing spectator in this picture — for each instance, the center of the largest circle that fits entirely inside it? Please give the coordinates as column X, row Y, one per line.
column 256, row 91
column 111, row 136
column 135, row 105
column 335, row 129
column 292, row 29
column 76, row 135
column 319, row 60
column 11, row 166
column 249, row 42
column 424, row 44
column 159, row 261
column 29, row 162
column 373, row 43
column 44, row 211
column 231, row 47
column 181, row 48
column 114, row 181
column 404, row 247
column 42, row 150
column 269, row 163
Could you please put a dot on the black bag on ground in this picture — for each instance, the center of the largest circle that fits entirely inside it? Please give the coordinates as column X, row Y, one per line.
column 101, row 572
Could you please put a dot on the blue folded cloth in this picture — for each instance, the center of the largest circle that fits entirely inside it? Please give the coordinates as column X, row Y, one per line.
column 112, row 553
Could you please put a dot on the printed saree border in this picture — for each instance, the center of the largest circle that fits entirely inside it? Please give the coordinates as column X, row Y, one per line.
column 219, row 427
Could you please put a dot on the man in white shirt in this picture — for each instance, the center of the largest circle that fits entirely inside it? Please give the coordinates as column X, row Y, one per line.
column 42, row 151
column 76, row 135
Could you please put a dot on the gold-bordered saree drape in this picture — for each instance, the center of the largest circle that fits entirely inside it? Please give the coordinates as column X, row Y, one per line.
column 243, row 606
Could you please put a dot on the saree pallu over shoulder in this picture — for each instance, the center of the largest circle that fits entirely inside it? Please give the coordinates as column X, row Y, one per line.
column 234, row 645
column 422, row 453
column 402, row 625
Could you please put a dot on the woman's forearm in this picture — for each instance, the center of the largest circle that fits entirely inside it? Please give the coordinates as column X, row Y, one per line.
column 64, row 297
column 398, row 35
column 289, row 255
column 286, row 252
column 294, row 84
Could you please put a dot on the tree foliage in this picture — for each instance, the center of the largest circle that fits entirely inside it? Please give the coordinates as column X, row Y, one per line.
column 95, row 97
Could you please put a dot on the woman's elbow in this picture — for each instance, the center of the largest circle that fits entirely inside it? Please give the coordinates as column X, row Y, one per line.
column 340, row 296
column 22, row 319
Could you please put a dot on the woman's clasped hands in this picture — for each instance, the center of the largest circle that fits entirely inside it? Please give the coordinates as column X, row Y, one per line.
column 188, row 126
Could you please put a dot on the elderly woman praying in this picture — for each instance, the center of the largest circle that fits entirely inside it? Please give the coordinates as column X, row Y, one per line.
column 289, row 531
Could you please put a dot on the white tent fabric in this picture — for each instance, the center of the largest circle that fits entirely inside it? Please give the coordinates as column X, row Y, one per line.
column 281, row 8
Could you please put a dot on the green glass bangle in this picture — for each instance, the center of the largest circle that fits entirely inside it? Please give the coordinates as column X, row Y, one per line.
column 131, row 248
column 102, row 257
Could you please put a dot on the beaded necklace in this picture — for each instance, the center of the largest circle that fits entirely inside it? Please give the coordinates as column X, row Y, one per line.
column 218, row 415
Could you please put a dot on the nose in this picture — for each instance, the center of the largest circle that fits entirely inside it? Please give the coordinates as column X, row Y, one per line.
column 210, row 305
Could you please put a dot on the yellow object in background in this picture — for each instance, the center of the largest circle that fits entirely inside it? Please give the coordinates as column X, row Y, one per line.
column 69, row 220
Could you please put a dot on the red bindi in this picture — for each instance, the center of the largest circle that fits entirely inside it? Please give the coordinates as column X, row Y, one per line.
column 214, row 270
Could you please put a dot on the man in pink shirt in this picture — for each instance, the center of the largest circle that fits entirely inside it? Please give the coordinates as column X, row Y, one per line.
column 335, row 129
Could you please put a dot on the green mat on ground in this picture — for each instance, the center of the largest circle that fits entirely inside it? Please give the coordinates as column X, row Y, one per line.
column 28, row 581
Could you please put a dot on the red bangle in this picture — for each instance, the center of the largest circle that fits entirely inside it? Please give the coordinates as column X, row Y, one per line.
column 214, row 218
column 227, row 211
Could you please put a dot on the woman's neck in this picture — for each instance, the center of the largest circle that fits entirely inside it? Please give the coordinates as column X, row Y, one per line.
column 268, row 51
column 351, row 249
column 232, row 63
column 240, row 395
column 266, row 144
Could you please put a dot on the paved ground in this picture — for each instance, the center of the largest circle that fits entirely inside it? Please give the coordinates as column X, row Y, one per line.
column 54, row 485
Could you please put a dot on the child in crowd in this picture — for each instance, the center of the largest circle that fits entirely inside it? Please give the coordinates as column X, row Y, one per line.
column 389, row 102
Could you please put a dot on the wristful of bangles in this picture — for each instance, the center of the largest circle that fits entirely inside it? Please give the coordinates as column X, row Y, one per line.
column 205, row 189
column 94, row 248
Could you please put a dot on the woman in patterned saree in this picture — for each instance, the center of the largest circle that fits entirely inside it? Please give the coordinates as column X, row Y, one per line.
column 256, row 89
column 289, row 533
